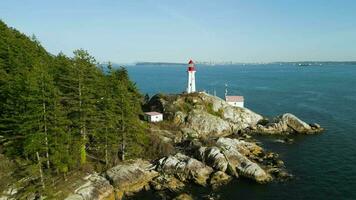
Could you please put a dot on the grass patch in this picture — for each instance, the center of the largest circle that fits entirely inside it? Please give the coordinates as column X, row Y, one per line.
column 210, row 110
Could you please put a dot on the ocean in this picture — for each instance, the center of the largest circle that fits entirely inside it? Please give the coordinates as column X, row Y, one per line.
column 323, row 165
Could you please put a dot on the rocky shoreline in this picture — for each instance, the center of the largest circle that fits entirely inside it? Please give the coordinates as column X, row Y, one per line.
column 213, row 144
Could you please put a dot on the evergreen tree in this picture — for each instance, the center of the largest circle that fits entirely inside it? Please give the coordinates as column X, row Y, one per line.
column 57, row 111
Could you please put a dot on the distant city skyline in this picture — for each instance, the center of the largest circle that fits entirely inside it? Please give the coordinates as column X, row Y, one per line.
column 175, row 31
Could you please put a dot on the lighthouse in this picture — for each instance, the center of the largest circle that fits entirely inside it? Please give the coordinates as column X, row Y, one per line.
column 191, row 77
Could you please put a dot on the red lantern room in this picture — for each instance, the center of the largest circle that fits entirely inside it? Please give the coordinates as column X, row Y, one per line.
column 191, row 66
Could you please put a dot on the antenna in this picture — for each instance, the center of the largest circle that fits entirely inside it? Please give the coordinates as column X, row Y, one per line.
column 226, row 89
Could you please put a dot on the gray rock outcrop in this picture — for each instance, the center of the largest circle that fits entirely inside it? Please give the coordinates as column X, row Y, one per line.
column 238, row 163
column 185, row 168
column 213, row 157
column 206, row 115
column 286, row 124
column 207, row 124
column 167, row 182
column 131, row 176
column 95, row 187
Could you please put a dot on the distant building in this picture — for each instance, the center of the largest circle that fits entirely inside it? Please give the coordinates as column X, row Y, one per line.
column 237, row 101
column 153, row 116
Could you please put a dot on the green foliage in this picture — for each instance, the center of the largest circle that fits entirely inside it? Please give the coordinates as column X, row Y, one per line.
column 210, row 110
column 66, row 109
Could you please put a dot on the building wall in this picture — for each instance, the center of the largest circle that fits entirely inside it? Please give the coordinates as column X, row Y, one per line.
column 237, row 104
column 155, row 118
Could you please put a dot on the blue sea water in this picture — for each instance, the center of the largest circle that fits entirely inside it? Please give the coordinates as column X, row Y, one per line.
column 324, row 166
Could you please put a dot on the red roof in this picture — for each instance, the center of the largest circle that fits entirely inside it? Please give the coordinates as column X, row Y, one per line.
column 234, row 98
column 153, row 113
column 190, row 61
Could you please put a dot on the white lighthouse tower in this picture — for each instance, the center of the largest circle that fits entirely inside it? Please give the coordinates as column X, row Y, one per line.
column 191, row 77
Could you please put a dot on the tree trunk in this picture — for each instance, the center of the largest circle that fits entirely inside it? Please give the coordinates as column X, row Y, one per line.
column 123, row 146
column 46, row 134
column 65, row 176
column 106, row 147
column 40, row 169
column 45, row 125
column 83, row 156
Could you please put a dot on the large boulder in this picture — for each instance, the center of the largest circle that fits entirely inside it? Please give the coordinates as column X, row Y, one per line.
column 286, row 124
column 213, row 157
column 95, row 187
column 167, row 182
column 185, row 168
column 206, row 124
column 131, row 176
column 219, row 178
column 238, row 163
column 240, row 117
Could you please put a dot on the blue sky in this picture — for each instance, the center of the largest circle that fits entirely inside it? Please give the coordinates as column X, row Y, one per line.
column 155, row 30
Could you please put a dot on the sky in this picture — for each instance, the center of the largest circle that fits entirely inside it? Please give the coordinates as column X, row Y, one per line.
column 204, row 30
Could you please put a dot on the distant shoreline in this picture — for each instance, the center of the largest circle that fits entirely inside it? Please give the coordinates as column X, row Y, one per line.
column 301, row 63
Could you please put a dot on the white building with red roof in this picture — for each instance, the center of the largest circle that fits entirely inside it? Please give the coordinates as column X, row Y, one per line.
column 153, row 116
column 236, row 101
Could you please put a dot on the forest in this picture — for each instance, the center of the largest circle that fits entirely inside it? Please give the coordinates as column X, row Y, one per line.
column 61, row 114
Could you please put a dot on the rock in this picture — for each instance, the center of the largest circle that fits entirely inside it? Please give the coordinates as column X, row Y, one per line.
column 167, row 182
column 74, row 197
column 241, row 117
column 315, row 126
column 189, row 133
column 9, row 193
column 211, row 196
column 248, row 149
column 183, row 196
column 207, row 115
column 236, row 118
column 213, row 157
column 272, row 159
column 179, row 117
column 185, row 168
column 239, row 164
column 207, row 124
column 131, row 176
column 285, row 124
column 280, row 174
column 95, row 187
column 294, row 123
column 219, row 178
column 285, row 140
column 167, row 136
column 280, row 163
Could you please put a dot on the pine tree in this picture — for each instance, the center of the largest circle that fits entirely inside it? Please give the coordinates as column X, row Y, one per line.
column 133, row 137
column 57, row 111
column 80, row 96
